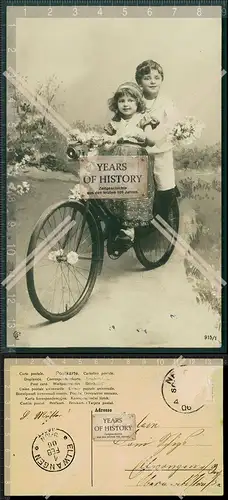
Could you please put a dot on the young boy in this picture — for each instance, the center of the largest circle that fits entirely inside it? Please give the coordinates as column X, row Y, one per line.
column 149, row 76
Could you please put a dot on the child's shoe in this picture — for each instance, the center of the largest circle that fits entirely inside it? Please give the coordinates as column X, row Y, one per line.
column 128, row 233
column 125, row 238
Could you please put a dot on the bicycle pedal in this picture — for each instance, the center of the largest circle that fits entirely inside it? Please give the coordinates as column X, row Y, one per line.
column 117, row 253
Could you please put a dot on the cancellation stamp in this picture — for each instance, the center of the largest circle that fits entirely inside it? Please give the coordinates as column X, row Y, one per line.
column 53, row 450
column 114, row 426
column 182, row 392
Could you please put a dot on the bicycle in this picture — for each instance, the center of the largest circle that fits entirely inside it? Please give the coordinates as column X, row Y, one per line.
column 94, row 227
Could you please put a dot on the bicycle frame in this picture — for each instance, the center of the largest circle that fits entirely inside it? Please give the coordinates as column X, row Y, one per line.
column 101, row 212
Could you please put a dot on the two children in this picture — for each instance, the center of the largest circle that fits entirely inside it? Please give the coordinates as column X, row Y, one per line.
column 144, row 116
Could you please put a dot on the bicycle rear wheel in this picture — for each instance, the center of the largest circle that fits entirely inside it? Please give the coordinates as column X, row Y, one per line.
column 152, row 247
column 61, row 279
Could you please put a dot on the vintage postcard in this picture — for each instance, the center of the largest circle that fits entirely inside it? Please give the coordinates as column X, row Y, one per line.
column 114, row 177
column 113, row 426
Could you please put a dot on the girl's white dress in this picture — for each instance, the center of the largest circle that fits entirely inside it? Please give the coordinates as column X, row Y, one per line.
column 123, row 127
column 164, row 110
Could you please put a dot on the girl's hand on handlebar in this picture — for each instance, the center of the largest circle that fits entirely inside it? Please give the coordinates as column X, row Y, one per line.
column 109, row 142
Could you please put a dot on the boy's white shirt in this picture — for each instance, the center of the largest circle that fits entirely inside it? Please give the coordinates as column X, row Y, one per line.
column 165, row 111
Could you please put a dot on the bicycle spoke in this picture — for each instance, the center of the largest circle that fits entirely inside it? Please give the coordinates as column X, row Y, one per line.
column 50, row 224
column 81, row 273
column 45, row 264
column 78, row 281
column 53, row 296
column 62, row 287
column 82, row 242
column 80, row 257
column 70, row 292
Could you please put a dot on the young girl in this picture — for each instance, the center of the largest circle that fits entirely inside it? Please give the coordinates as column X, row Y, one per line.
column 149, row 76
column 127, row 134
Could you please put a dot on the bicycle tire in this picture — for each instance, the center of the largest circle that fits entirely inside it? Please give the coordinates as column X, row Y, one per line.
column 97, row 257
column 140, row 254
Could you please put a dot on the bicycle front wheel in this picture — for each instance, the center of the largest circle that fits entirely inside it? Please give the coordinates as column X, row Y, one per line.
column 152, row 247
column 61, row 278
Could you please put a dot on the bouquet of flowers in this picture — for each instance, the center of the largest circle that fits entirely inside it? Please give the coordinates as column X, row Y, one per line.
column 90, row 139
column 185, row 131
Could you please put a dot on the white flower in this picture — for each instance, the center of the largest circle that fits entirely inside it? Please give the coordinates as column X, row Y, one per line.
column 54, row 254
column 75, row 193
column 187, row 141
column 90, row 138
column 198, row 130
column 89, row 135
column 72, row 258
column 84, row 192
column 26, row 158
column 78, row 193
column 74, row 132
column 26, row 186
column 92, row 152
column 20, row 190
column 12, row 187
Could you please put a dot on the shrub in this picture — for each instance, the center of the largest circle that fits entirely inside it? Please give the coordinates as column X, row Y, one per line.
column 198, row 158
column 31, row 134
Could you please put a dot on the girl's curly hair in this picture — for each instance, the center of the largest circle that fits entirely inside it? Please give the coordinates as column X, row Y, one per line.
column 145, row 68
column 132, row 91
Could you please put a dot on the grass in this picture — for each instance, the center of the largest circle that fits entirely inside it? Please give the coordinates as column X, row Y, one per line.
column 203, row 189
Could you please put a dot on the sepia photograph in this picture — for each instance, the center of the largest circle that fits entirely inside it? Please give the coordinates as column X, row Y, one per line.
column 114, row 178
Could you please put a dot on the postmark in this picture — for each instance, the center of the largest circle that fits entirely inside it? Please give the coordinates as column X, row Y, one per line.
column 53, row 450
column 114, row 426
column 182, row 392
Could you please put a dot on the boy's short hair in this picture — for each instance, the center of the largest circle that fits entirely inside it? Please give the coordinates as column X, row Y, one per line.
column 145, row 68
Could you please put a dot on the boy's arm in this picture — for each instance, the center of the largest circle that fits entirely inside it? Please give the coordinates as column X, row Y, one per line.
column 148, row 119
column 152, row 128
column 149, row 133
column 160, row 132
